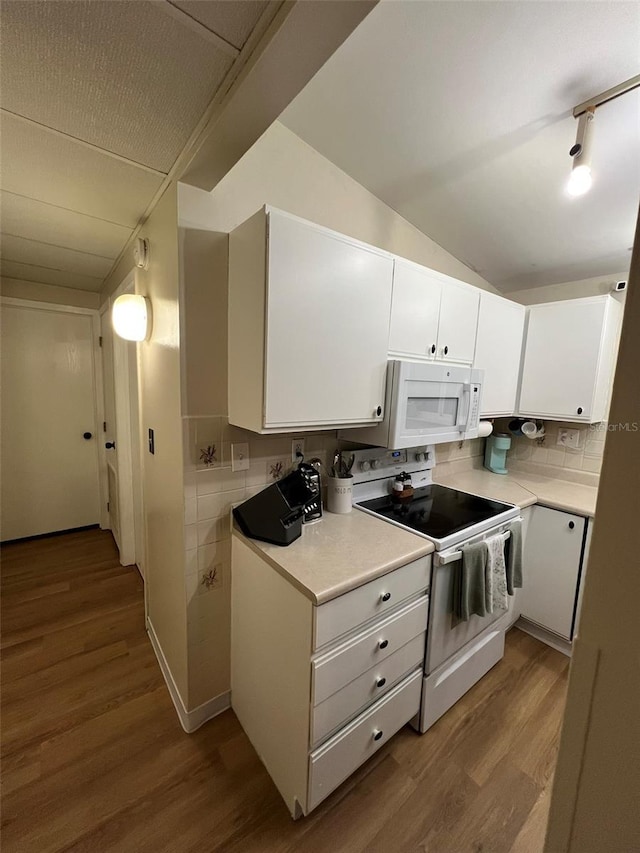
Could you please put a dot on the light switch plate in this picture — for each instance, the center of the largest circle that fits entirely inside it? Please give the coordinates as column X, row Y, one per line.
column 240, row 457
column 569, row 438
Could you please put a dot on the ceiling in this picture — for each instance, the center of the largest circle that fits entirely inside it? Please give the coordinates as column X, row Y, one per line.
column 459, row 116
column 99, row 98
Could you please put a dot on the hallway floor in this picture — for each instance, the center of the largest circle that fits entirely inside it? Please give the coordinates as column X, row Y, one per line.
column 94, row 758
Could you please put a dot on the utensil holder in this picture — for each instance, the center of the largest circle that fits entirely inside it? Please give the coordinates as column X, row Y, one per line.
column 339, row 494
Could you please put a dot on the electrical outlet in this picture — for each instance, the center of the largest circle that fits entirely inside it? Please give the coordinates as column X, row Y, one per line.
column 297, row 449
column 569, row 438
column 240, row 457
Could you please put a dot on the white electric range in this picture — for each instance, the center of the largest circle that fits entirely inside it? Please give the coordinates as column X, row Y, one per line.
column 458, row 653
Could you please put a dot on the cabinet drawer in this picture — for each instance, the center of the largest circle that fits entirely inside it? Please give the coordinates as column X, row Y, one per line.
column 370, row 600
column 341, row 665
column 352, row 746
column 372, row 684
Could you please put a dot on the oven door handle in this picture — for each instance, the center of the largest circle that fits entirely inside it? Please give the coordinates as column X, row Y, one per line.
column 441, row 559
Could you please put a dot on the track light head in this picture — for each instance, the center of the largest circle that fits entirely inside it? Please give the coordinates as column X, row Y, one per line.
column 580, row 180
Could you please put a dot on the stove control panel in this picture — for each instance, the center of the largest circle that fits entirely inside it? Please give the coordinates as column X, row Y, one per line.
column 377, row 463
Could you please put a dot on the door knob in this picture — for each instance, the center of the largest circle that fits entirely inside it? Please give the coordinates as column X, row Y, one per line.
column 87, row 435
column 110, row 445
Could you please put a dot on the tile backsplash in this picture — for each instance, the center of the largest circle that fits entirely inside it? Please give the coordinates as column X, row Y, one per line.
column 551, row 459
column 211, row 489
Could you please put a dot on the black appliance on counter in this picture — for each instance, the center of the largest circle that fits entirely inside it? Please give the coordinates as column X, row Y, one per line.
column 275, row 514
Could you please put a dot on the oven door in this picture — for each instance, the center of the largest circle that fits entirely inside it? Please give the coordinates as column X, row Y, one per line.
column 431, row 404
column 447, row 634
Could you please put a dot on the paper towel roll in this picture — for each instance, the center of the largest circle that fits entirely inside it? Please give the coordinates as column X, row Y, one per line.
column 486, row 428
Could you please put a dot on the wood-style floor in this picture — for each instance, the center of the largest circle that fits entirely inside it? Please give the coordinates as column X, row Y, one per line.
column 94, row 758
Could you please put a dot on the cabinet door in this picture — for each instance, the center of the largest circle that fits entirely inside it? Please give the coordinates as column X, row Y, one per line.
column 498, row 352
column 415, row 309
column 328, row 307
column 459, row 308
column 561, row 359
column 552, row 552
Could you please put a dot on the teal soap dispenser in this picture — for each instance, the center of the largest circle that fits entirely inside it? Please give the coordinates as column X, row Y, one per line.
column 495, row 453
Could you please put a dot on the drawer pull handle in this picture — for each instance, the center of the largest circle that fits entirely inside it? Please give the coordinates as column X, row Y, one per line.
column 383, row 644
column 381, row 682
column 385, row 596
column 377, row 734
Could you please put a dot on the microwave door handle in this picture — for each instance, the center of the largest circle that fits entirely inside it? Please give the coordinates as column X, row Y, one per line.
column 463, row 410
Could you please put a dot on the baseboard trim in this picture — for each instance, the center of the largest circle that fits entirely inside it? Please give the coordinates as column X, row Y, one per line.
column 189, row 720
column 547, row 637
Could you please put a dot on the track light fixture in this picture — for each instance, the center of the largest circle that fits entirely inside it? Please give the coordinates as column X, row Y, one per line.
column 580, row 180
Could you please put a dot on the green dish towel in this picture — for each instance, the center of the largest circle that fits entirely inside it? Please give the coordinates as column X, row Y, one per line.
column 470, row 596
column 514, row 562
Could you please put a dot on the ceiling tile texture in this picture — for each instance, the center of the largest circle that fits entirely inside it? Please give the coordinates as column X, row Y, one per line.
column 99, row 98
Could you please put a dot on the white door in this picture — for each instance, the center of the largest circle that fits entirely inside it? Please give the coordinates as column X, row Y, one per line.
column 458, row 325
column 498, row 353
column 561, row 358
column 329, row 301
column 122, row 443
column 108, row 434
column 552, row 553
column 49, row 430
column 415, row 310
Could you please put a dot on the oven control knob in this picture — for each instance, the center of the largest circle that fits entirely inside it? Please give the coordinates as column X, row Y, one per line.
column 422, row 457
column 376, row 464
column 364, row 466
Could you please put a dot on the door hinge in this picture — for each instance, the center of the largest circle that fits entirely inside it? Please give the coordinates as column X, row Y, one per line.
column 108, row 506
column 100, row 341
column 104, row 426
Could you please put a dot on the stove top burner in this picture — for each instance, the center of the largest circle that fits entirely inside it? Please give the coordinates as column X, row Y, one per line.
column 436, row 511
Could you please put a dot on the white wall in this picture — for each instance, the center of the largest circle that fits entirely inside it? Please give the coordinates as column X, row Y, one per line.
column 282, row 170
column 160, row 387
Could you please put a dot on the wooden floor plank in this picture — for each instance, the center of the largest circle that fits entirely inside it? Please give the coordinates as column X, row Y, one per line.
column 95, row 760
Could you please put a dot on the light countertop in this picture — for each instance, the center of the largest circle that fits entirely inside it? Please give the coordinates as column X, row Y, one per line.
column 340, row 553
column 523, row 489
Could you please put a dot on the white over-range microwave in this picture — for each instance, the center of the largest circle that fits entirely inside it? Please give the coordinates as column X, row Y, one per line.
column 425, row 403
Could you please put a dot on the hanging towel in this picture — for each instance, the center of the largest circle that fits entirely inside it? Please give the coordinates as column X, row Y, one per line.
column 514, row 560
column 470, row 587
column 496, row 574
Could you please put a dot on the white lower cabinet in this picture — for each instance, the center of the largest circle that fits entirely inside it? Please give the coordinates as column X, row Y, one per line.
column 333, row 762
column 553, row 558
column 312, row 716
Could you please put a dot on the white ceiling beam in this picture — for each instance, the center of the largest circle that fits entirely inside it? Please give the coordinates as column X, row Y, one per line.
column 195, row 26
column 305, row 34
column 291, row 42
column 82, row 142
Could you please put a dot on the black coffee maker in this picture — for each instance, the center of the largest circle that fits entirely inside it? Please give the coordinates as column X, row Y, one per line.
column 276, row 513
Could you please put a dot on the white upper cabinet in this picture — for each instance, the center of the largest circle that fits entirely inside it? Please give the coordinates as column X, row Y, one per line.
column 569, row 359
column 458, row 322
column 433, row 316
column 308, row 326
column 498, row 352
column 415, row 310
